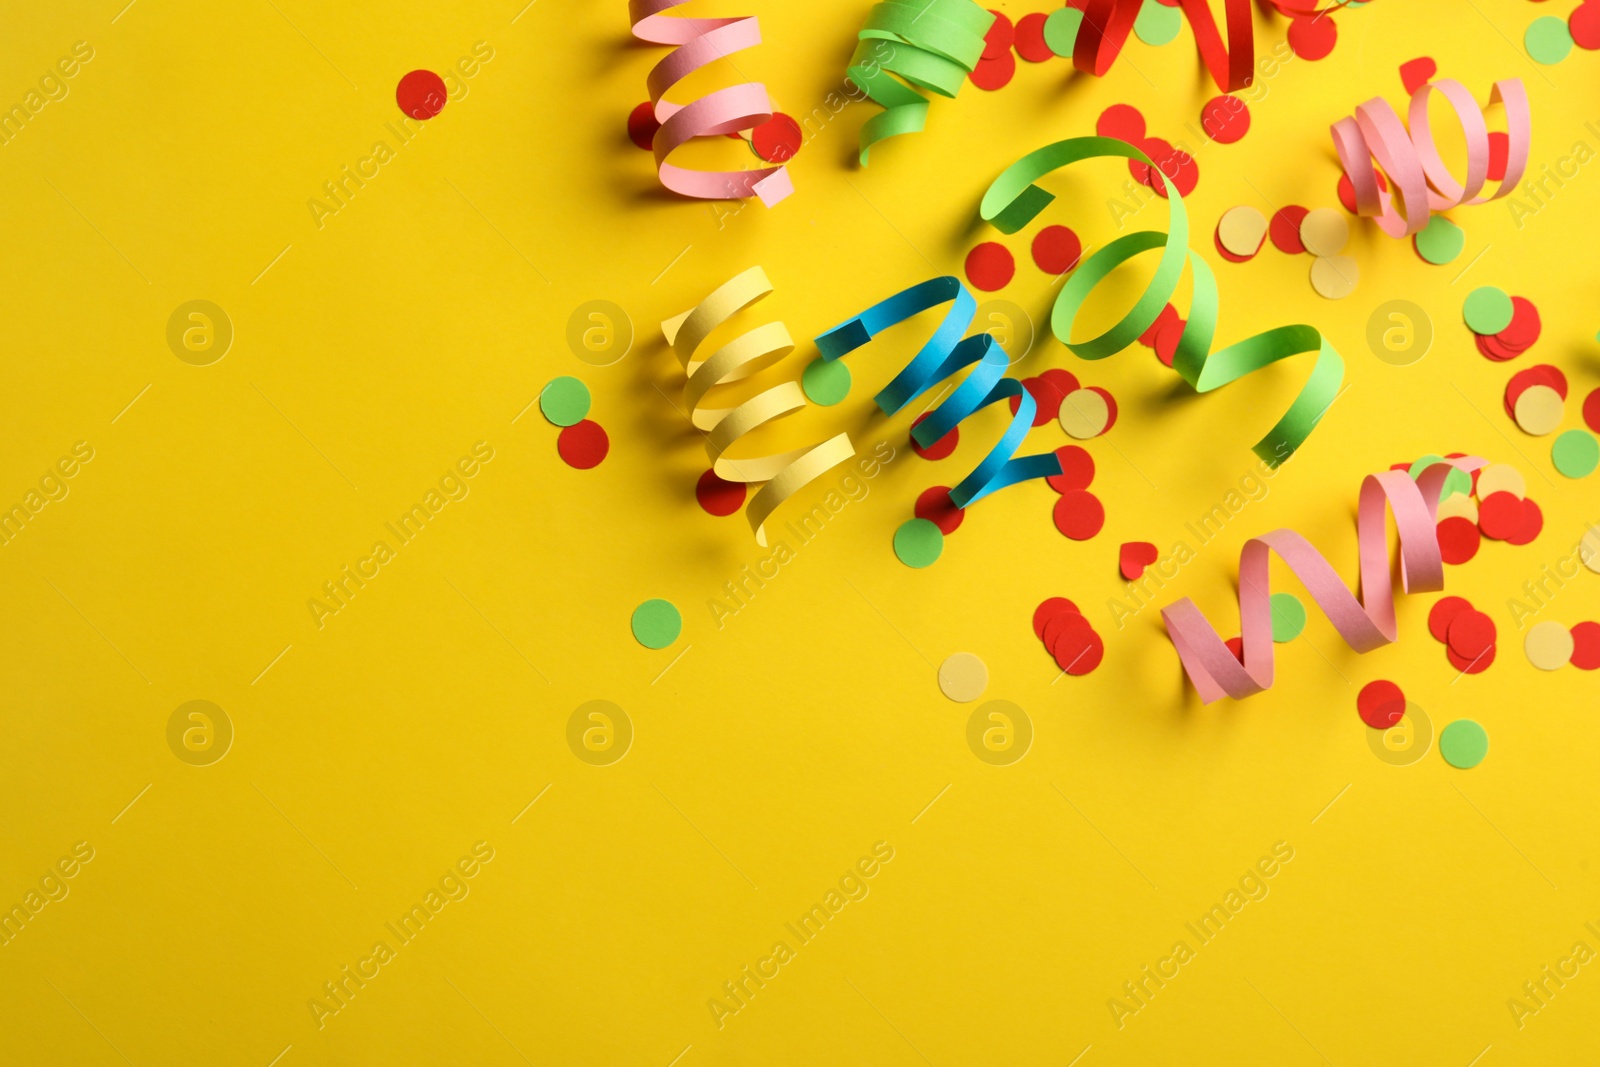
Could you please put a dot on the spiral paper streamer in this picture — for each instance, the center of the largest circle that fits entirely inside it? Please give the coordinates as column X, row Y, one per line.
column 1365, row 624
column 749, row 353
column 1375, row 137
column 1012, row 201
column 946, row 353
column 738, row 107
column 1107, row 23
column 932, row 44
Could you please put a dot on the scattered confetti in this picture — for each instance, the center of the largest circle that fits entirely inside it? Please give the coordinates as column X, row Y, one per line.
column 642, row 126
column 1312, row 38
column 1288, row 617
column 990, row 266
column 1463, row 744
column 1548, row 40
column 1380, row 704
column 1575, row 453
column 1085, row 414
column 583, row 445
column 1459, row 540
column 1440, row 241
column 1079, row 514
column 1417, row 73
column 1056, row 249
column 1441, row 614
column 1285, row 229
column 1324, row 232
column 1538, row 410
column 1591, row 408
column 564, row 401
column 777, row 139
column 1029, row 38
column 1586, row 646
column 1242, row 230
column 963, row 677
column 1077, row 470
column 656, row 623
column 996, row 73
column 1061, row 30
column 421, row 94
column 1335, row 277
column 941, row 448
column 1487, row 310
column 1549, row 645
column 719, row 497
column 918, row 543
column 1157, row 24
column 1226, row 119
column 826, row 382
column 1134, row 556
column 936, row 506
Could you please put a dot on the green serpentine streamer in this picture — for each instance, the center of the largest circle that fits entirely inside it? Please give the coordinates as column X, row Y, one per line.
column 1012, row 201
column 931, row 44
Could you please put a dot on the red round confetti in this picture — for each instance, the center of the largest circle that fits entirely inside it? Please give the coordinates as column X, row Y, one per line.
column 1236, row 646
column 1492, row 348
column 583, row 444
column 1312, row 38
column 1285, row 229
column 1049, row 609
column 1499, row 152
column 1225, row 118
column 717, row 496
column 1584, row 22
column 1216, row 239
column 1157, row 149
column 1524, row 328
column 777, row 139
column 1056, row 249
column 1122, row 121
column 1168, row 314
column 1586, row 646
column 1079, row 514
column 1539, row 374
column 1063, row 380
column 642, row 126
column 1078, row 651
column 1417, row 73
column 990, row 266
column 1178, row 167
column 1047, row 398
column 1532, row 523
column 1458, row 539
column 421, row 94
column 1380, row 704
column 1471, row 634
column 1470, row 665
column 1591, row 410
column 1061, row 623
column 1029, row 38
column 1445, row 610
column 1077, row 470
column 1111, row 407
column 940, row 448
column 992, row 74
column 997, row 41
column 1167, row 340
column 936, row 506
column 1347, row 191
column 1500, row 515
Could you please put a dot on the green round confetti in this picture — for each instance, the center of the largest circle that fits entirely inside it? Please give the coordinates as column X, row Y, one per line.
column 1440, row 241
column 1488, row 310
column 1457, row 481
column 565, row 401
column 656, row 623
column 918, row 542
column 1576, row 453
column 1463, row 744
column 1061, row 30
column 1548, row 40
column 1288, row 617
column 826, row 383
column 1157, row 23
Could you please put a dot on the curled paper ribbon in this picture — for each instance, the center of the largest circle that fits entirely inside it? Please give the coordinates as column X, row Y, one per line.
column 751, row 352
column 738, row 107
column 1012, row 201
column 1107, row 23
column 932, row 44
column 1375, row 137
column 945, row 353
column 1365, row 624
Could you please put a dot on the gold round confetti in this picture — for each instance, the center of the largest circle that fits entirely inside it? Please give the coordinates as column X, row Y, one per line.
column 963, row 677
column 1084, row 414
column 1242, row 229
column 1538, row 410
column 1501, row 478
column 1324, row 232
column 1548, row 645
column 1589, row 548
column 1458, row 506
column 1335, row 277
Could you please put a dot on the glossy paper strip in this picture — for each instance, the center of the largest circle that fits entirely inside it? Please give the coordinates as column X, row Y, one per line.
column 1365, row 624
column 945, row 353
column 1375, row 137
column 738, row 107
column 753, row 351
column 932, row 44
column 1012, row 201
column 1107, row 23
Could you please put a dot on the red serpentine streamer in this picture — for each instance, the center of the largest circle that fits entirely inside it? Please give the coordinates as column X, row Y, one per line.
column 738, row 107
column 1107, row 23
column 1365, row 624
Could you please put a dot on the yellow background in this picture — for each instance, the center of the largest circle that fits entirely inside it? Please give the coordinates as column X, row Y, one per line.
column 370, row 754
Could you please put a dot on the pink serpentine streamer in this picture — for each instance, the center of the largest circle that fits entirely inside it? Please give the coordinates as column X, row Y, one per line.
column 738, row 107
column 1365, row 624
column 1411, row 160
